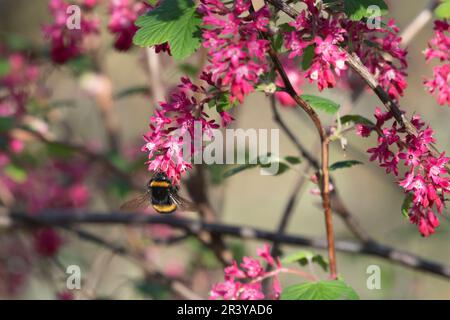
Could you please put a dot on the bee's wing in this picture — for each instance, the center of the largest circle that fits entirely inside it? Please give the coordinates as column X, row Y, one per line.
column 140, row 202
column 181, row 202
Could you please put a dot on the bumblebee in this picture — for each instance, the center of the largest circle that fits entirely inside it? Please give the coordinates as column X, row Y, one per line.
column 161, row 194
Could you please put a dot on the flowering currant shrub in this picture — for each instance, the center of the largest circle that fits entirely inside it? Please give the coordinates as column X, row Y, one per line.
column 294, row 52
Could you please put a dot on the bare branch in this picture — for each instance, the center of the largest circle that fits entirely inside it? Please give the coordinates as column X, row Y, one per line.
column 371, row 248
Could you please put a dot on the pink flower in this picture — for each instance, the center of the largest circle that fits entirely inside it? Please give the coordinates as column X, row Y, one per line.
column 426, row 178
column 252, row 267
column 250, row 275
column 172, row 130
column 328, row 59
column 237, row 55
column 65, row 295
column 439, row 48
column 384, row 57
column 47, row 242
column 67, row 43
column 265, row 254
column 440, row 84
column 123, row 14
column 296, row 80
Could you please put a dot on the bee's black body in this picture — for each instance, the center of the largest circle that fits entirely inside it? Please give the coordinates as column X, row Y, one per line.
column 161, row 190
column 161, row 195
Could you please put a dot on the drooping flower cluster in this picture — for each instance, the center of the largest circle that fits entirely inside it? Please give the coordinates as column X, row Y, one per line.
column 236, row 52
column 123, row 14
column 324, row 34
column 243, row 282
column 439, row 48
column 66, row 36
column 178, row 120
column 380, row 51
column 426, row 179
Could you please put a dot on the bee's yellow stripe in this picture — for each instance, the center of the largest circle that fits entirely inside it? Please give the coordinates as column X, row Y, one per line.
column 163, row 184
column 164, row 208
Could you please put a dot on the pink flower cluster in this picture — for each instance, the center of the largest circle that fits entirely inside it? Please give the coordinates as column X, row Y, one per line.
column 324, row 34
column 123, row 14
column 439, row 48
column 68, row 43
column 172, row 125
column 17, row 83
column 237, row 54
column 244, row 282
column 47, row 242
column 426, row 178
column 378, row 48
column 57, row 185
column 380, row 51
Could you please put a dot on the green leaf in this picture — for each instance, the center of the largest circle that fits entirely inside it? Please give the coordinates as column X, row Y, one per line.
column 59, row 150
column 80, row 65
column 356, row 119
column 223, row 103
column 266, row 87
column 356, row 10
column 189, row 69
column 292, row 160
column 443, row 10
column 4, row 67
column 6, row 123
column 344, row 164
column 322, row 290
column 407, row 204
column 132, row 91
column 175, row 22
column 238, row 169
column 265, row 161
column 308, row 56
column 321, row 104
column 277, row 42
column 286, row 27
column 153, row 289
column 16, row 173
column 304, row 257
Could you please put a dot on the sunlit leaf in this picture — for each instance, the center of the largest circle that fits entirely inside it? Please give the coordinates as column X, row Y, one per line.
column 321, row 290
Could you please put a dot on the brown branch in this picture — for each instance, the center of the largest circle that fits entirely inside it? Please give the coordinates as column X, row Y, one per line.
column 337, row 204
column 294, row 194
column 68, row 218
column 325, row 175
